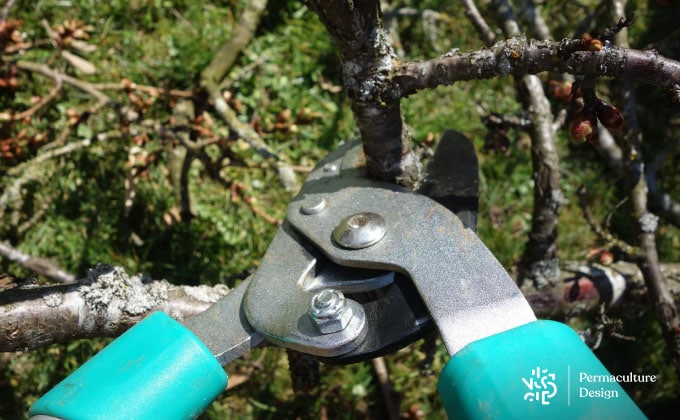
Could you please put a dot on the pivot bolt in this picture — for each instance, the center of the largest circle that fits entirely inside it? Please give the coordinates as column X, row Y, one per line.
column 359, row 230
column 329, row 311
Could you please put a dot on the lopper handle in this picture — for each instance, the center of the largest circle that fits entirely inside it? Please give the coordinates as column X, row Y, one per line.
column 158, row 369
column 538, row 370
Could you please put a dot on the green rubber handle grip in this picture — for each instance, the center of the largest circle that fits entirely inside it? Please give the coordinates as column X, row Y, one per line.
column 538, row 370
column 158, row 369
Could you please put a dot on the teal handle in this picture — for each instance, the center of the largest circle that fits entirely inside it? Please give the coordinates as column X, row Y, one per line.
column 538, row 370
column 158, row 369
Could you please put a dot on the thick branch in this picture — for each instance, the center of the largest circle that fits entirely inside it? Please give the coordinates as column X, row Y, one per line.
column 109, row 301
column 541, row 248
column 539, row 261
column 367, row 61
column 519, row 56
column 105, row 305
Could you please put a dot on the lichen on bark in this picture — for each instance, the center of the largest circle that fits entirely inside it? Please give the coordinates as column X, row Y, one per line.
column 367, row 63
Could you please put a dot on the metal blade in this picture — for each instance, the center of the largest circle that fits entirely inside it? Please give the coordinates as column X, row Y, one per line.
column 224, row 328
column 452, row 177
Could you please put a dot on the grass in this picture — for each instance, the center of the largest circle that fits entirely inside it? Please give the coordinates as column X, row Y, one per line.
column 290, row 65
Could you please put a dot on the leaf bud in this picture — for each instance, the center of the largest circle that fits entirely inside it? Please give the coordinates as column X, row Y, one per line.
column 610, row 117
column 595, row 45
column 605, row 257
column 582, row 126
column 561, row 91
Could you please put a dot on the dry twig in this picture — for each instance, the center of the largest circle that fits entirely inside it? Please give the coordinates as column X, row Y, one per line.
column 483, row 29
column 391, row 400
column 4, row 14
column 608, row 240
column 42, row 266
column 59, row 77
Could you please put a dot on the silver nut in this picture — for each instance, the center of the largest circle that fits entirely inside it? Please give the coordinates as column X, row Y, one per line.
column 329, row 312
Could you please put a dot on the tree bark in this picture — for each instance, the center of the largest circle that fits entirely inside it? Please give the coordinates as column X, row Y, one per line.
column 105, row 304
column 539, row 261
column 367, row 63
column 519, row 56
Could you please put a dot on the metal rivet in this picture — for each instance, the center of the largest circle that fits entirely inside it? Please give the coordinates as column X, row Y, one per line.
column 360, row 230
column 329, row 312
column 314, row 206
column 329, row 167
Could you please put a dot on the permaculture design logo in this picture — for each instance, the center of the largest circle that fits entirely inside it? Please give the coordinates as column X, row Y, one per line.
column 541, row 386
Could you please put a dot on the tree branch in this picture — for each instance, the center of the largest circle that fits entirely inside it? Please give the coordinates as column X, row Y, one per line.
column 226, row 55
column 389, row 396
column 367, row 62
column 539, row 260
column 42, row 266
column 4, row 13
column 518, row 56
column 108, row 301
column 58, row 77
column 661, row 202
column 10, row 116
column 473, row 15
column 105, row 304
column 534, row 20
column 213, row 76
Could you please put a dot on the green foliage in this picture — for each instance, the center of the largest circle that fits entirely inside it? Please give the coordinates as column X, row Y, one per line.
column 290, row 66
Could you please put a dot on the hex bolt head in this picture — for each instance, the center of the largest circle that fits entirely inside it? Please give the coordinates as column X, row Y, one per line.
column 314, row 206
column 359, row 230
column 329, row 312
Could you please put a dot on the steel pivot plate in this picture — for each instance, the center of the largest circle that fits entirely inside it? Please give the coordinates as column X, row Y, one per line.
column 468, row 293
